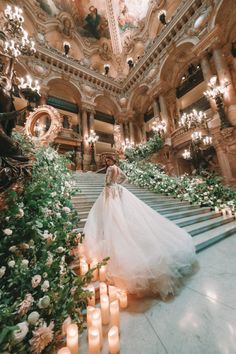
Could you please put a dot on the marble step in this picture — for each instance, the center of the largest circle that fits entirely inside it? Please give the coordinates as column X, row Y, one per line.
column 208, row 238
column 197, row 218
column 203, row 226
column 174, row 209
column 190, row 212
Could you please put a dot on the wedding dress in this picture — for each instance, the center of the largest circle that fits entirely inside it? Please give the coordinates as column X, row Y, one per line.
column 148, row 253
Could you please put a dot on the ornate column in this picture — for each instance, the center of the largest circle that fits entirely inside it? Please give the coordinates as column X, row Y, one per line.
column 164, row 112
column 86, row 156
column 155, row 106
column 131, row 132
column 144, row 132
column 224, row 75
column 91, row 120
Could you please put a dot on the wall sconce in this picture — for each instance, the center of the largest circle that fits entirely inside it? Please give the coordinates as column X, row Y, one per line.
column 130, row 62
column 162, row 17
column 66, row 46
column 106, row 68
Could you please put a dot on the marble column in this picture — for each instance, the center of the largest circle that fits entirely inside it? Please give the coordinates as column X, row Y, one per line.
column 207, row 74
column 131, row 132
column 43, row 95
column 91, row 120
column 144, row 132
column 224, row 75
column 164, row 112
column 155, row 106
column 86, row 157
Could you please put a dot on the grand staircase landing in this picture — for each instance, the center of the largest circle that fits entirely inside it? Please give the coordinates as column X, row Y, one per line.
column 206, row 226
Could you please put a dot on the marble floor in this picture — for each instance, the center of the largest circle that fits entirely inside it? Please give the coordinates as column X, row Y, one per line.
column 200, row 320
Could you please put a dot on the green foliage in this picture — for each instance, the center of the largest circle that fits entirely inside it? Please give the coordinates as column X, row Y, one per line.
column 38, row 232
column 204, row 190
column 144, row 150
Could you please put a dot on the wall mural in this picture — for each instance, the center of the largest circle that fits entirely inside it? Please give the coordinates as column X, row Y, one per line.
column 130, row 13
column 89, row 15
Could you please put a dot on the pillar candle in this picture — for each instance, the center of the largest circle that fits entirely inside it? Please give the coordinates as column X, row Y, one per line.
column 102, row 273
column 112, row 293
column 97, row 323
column 72, row 338
column 83, row 267
column 91, row 299
column 93, row 264
column 113, row 340
column 105, row 309
column 123, row 299
column 93, row 340
column 64, row 350
column 229, row 211
column 115, row 313
column 217, row 209
column 223, row 212
column 90, row 310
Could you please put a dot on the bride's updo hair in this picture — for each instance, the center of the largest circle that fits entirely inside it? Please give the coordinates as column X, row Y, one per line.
column 111, row 158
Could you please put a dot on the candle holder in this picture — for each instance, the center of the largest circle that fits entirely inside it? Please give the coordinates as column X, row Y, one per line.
column 159, row 127
column 92, row 139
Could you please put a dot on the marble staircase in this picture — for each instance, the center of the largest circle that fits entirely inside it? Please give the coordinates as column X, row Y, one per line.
column 203, row 224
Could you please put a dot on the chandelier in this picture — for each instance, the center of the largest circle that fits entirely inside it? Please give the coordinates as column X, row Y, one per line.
column 17, row 39
column 192, row 120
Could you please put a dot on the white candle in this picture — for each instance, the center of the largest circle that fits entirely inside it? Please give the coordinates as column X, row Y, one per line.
column 103, row 289
column 115, row 313
column 64, row 350
column 97, row 323
column 91, row 299
column 93, row 264
column 83, row 267
column 112, row 293
column 123, row 299
column 223, row 212
column 229, row 212
column 93, row 340
column 217, row 209
column 105, row 309
column 90, row 310
column 72, row 338
column 113, row 340
column 102, row 273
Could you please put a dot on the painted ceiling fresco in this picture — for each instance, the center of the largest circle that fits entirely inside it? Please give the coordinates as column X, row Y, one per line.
column 91, row 18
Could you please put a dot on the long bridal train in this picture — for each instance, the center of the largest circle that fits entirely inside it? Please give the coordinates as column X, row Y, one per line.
column 148, row 253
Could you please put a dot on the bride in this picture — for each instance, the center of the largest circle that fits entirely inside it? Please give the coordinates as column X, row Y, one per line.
column 148, row 253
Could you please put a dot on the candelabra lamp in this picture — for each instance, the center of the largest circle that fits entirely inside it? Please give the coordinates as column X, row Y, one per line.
column 217, row 93
column 192, row 120
column 106, row 68
column 92, row 139
column 130, row 62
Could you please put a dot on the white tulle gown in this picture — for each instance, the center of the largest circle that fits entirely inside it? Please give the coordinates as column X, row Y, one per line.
column 148, row 253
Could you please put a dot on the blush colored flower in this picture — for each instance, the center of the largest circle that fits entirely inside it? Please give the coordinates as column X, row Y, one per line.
column 35, row 281
column 41, row 338
column 19, row 334
column 45, row 286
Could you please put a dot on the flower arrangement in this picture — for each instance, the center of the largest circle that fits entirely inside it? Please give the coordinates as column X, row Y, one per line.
column 142, row 151
column 204, row 190
column 38, row 287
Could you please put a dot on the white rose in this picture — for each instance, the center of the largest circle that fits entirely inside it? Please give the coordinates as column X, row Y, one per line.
column 20, row 214
column 25, row 262
column 7, row 218
column 33, row 317
column 60, row 249
column 44, row 302
column 19, row 334
column 45, row 286
column 7, row 232
column 2, row 271
column 66, row 210
column 13, row 249
column 53, row 194
column 11, row 264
